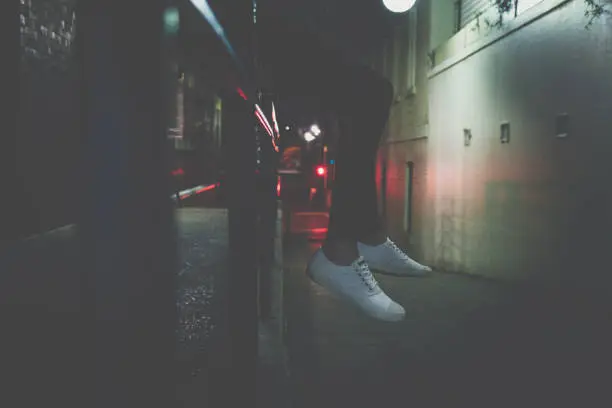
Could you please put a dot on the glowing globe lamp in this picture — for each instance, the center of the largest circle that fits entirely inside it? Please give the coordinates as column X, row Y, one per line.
column 399, row 6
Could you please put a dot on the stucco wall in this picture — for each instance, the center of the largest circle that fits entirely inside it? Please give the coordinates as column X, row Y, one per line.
column 540, row 206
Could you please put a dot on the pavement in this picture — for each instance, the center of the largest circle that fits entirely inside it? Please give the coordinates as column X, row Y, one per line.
column 41, row 340
column 203, row 254
column 465, row 342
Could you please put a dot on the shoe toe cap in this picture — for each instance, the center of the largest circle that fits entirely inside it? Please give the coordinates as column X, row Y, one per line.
column 395, row 311
column 424, row 270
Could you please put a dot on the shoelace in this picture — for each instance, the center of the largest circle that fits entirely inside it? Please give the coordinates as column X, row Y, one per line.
column 363, row 270
column 398, row 250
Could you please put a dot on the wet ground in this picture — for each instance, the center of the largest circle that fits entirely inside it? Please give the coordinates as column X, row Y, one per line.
column 204, row 255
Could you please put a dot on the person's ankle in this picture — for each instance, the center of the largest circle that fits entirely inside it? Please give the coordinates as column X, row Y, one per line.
column 341, row 252
column 374, row 239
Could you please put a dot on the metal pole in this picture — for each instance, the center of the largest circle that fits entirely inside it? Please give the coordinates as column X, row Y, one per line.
column 239, row 373
column 243, row 280
column 242, row 283
column 326, row 167
column 126, row 229
column 267, row 215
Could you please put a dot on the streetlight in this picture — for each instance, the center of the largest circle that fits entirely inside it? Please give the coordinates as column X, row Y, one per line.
column 398, row 6
column 309, row 137
column 315, row 130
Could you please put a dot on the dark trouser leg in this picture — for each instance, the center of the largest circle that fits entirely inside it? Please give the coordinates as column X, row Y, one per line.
column 354, row 211
column 359, row 96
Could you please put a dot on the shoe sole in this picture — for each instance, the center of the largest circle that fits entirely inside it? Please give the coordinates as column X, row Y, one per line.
column 415, row 274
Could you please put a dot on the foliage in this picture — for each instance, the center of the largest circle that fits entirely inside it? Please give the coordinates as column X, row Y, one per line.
column 503, row 8
column 596, row 9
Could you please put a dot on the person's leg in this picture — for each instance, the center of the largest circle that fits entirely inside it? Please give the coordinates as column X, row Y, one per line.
column 372, row 232
column 355, row 225
column 298, row 70
column 354, row 212
column 362, row 104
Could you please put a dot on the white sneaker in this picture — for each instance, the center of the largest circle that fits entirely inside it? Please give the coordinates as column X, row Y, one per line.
column 389, row 258
column 356, row 284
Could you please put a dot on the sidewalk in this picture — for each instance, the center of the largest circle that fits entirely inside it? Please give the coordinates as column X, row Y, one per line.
column 41, row 341
column 203, row 254
column 465, row 342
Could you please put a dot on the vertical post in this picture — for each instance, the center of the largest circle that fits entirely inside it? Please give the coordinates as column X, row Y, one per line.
column 326, row 166
column 242, row 283
column 267, row 215
column 238, row 127
column 126, row 227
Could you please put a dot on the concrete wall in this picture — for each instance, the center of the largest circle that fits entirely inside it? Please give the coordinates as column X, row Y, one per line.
column 540, row 206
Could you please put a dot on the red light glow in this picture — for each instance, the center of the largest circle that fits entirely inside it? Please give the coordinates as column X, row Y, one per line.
column 195, row 190
column 207, row 188
column 275, row 122
column 263, row 120
column 321, row 170
column 266, row 125
column 241, row 93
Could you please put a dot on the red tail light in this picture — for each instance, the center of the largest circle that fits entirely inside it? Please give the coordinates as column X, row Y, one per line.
column 321, row 171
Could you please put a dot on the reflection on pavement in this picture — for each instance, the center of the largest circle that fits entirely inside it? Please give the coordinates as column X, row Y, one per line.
column 311, row 224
